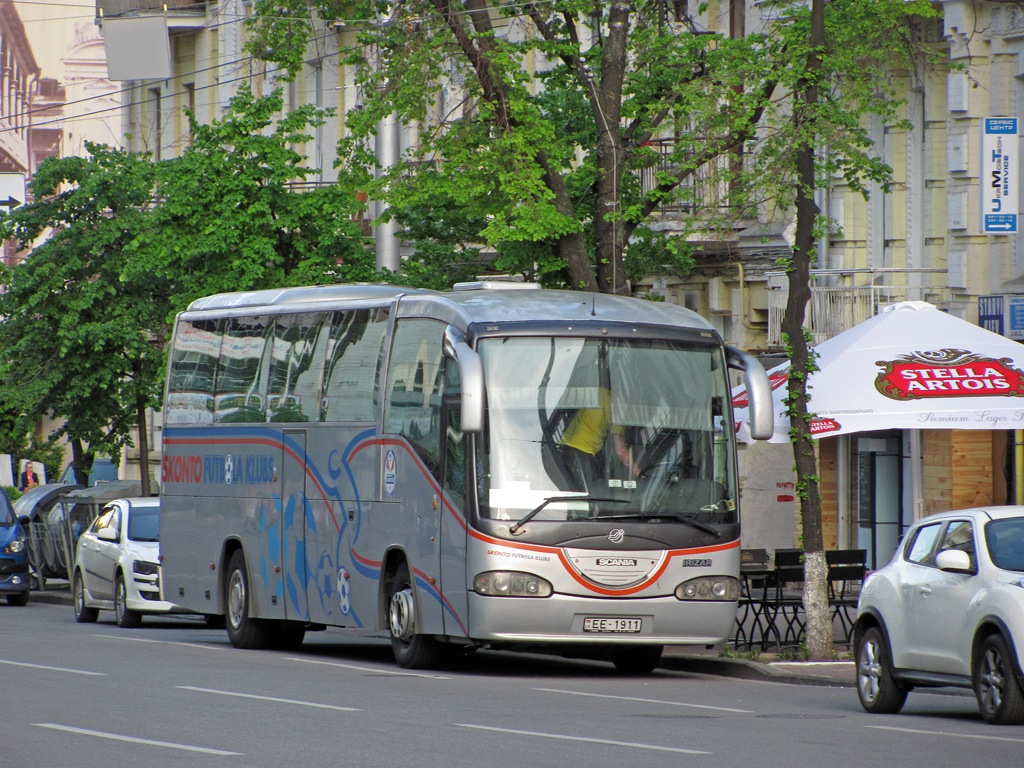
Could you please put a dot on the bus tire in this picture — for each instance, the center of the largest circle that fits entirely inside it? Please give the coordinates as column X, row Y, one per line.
column 636, row 659
column 243, row 630
column 411, row 650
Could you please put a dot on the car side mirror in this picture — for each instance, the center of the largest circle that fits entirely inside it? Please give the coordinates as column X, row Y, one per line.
column 25, row 521
column 954, row 560
column 106, row 534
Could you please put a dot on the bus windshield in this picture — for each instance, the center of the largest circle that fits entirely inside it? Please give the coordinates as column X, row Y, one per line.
column 606, row 428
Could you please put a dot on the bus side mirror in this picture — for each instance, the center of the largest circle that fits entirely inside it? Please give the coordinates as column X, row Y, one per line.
column 759, row 392
column 471, row 376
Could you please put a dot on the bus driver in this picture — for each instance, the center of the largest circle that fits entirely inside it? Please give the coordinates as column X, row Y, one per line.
column 585, row 437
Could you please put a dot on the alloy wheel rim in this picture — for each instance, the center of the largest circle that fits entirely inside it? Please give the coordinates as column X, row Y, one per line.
column 991, row 681
column 869, row 672
column 236, row 599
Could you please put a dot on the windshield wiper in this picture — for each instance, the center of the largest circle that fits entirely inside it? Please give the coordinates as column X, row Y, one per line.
column 681, row 518
column 536, row 510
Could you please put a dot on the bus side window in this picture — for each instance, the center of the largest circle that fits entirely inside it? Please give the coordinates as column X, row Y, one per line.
column 242, row 374
column 192, row 370
column 296, row 368
column 353, row 359
column 414, row 384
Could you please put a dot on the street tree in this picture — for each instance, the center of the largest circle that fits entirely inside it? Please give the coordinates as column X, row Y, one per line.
column 236, row 211
column 119, row 243
column 849, row 60
column 538, row 120
column 80, row 343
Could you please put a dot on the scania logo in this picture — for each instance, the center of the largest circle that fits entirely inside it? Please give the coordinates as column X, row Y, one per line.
column 616, row 535
column 611, row 562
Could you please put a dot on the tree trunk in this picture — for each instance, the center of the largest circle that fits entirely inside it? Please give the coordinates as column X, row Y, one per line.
column 140, row 414
column 818, row 624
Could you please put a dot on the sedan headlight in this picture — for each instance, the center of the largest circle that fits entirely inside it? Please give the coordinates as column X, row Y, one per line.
column 143, row 568
column 511, row 584
column 720, row 588
column 15, row 547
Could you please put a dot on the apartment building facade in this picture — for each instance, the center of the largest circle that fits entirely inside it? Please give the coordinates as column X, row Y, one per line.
column 924, row 239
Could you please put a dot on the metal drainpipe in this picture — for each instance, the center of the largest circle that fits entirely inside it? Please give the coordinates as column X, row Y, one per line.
column 385, row 241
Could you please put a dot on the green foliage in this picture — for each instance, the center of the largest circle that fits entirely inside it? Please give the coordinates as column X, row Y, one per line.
column 538, row 121
column 232, row 218
column 77, row 343
column 120, row 243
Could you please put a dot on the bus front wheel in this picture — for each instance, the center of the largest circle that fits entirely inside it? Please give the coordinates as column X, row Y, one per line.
column 411, row 650
column 243, row 630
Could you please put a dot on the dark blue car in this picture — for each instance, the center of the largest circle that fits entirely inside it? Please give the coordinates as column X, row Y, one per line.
column 14, row 578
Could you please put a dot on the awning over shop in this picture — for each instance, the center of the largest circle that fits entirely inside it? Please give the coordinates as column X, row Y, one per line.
column 912, row 366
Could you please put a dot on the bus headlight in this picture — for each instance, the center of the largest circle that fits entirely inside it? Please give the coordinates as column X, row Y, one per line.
column 511, row 584
column 721, row 588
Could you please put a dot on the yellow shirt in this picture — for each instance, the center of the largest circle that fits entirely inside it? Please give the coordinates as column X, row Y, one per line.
column 589, row 427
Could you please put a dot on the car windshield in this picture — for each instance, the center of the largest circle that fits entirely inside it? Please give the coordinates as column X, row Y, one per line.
column 581, row 428
column 144, row 524
column 1005, row 540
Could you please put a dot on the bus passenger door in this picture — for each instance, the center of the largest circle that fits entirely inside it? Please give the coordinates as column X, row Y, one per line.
column 293, row 524
column 453, row 510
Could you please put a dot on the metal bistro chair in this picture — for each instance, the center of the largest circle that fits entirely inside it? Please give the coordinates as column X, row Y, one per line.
column 755, row 566
column 785, row 599
column 846, row 571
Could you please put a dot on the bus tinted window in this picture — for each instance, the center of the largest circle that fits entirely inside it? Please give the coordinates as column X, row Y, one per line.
column 241, row 377
column 414, row 387
column 353, row 361
column 190, row 379
column 297, row 367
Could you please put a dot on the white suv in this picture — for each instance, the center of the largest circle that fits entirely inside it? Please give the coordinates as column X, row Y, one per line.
column 948, row 610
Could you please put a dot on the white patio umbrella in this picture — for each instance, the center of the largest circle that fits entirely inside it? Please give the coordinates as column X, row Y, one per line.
column 912, row 366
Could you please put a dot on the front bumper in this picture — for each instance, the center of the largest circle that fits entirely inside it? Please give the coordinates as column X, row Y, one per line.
column 561, row 619
column 14, row 577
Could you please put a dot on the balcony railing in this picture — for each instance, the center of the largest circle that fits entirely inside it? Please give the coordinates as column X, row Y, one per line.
column 702, row 190
column 837, row 308
column 133, row 7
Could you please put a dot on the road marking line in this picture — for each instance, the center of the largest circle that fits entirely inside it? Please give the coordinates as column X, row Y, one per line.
column 52, row 669
column 269, row 698
column 134, row 740
column 375, row 670
column 607, row 742
column 945, row 733
column 204, row 646
column 648, row 701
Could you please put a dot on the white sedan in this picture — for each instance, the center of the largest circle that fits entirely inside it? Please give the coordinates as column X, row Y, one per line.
column 117, row 563
column 948, row 610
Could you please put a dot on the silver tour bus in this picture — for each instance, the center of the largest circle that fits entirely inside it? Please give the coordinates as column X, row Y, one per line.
column 493, row 466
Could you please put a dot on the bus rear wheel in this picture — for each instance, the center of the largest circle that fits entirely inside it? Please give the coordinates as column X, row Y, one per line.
column 243, row 630
column 411, row 650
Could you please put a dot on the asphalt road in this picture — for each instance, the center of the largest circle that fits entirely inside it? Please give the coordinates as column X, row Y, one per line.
column 174, row 693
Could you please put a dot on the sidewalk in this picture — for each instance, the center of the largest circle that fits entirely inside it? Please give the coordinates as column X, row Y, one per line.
column 695, row 660
column 709, row 661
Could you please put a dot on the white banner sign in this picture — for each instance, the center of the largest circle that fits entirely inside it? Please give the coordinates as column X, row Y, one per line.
column 999, row 185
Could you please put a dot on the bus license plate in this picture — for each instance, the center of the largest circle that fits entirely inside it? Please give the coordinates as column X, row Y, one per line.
column 597, row 624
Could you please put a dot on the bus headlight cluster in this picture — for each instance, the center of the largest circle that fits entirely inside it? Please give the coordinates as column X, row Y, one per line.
column 721, row 588
column 511, row 584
